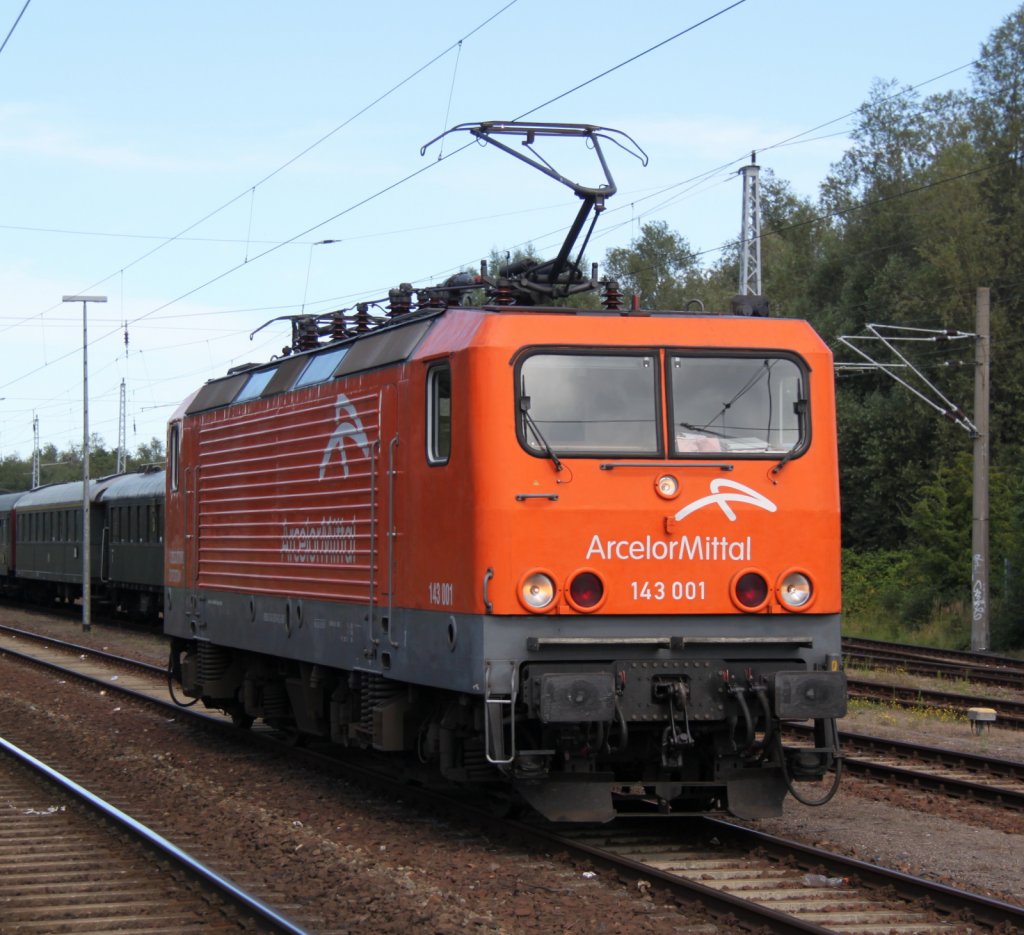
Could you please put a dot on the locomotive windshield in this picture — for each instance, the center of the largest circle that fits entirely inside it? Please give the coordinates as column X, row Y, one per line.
column 590, row 403
column 742, row 405
column 610, row 404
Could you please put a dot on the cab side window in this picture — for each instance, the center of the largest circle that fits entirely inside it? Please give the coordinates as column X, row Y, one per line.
column 439, row 414
column 173, row 443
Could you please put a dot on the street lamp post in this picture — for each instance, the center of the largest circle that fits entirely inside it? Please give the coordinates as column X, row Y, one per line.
column 86, row 539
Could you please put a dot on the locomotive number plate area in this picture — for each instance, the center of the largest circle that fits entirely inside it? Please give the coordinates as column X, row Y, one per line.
column 668, row 590
column 441, row 593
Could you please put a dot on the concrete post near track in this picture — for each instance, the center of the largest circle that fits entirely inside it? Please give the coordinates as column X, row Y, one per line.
column 86, row 540
column 979, row 523
column 904, row 372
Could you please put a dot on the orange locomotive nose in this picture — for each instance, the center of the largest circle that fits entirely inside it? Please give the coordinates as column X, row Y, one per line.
column 665, row 519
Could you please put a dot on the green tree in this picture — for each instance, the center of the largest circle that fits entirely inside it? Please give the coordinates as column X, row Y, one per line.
column 659, row 266
column 151, row 452
column 940, row 524
column 61, row 466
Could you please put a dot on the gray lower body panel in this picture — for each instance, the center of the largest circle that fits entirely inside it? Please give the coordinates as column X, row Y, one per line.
column 475, row 653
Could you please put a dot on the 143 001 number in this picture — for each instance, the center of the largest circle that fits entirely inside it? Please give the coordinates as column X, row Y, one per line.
column 667, row 590
column 441, row 593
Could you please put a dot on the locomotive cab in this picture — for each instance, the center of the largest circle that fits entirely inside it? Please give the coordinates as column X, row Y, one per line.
column 660, row 536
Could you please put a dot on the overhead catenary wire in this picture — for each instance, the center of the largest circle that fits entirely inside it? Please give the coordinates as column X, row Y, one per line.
column 308, row 149
column 725, row 174
column 276, row 244
column 352, row 207
column 17, row 20
column 633, row 58
column 926, row 390
column 723, row 171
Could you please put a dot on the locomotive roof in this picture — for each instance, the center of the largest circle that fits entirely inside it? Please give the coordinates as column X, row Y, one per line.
column 385, row 345
column 411, row 335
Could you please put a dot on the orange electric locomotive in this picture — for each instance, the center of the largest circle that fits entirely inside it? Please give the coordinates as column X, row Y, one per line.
column 591, row 556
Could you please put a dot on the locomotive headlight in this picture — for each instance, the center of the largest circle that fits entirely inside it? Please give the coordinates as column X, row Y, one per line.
column 537, row 591
column 795, row 590
column 667, row 486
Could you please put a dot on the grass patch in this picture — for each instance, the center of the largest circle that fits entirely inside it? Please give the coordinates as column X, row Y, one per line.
column 894, row 713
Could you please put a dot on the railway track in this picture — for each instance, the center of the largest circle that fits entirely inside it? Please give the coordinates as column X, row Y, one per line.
column 983, row 779
column 953, row 773
column 128, row 676
column 71, row 862
column 950, row 664
column 1010, row 713
column 780, row 886
column 858, row 643
column 775, row 889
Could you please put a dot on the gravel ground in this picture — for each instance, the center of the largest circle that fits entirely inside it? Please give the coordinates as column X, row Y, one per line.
column 354, row 859
column 963, row 844
column 336, row 858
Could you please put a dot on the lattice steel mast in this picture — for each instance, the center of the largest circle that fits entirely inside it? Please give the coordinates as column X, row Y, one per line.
column 35, row 451
column 749, row 300
column 121, row 434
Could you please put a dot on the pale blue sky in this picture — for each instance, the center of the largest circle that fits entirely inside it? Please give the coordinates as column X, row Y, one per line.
column 126, row 122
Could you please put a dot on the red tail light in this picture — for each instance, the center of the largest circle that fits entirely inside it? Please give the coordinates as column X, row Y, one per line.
column 751, row 590
column 586, row 592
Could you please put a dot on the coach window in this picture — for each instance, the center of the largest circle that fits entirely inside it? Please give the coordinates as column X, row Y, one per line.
column 439, row 414
column 745, row 405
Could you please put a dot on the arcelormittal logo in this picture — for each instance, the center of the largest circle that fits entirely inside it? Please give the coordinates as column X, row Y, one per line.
column 350, row 428
column 740, row 493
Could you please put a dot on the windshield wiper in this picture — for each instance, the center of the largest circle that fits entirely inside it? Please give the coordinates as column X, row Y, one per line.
column 784, row 460
column 800, row 409
column 704, row 430
column 524, row 408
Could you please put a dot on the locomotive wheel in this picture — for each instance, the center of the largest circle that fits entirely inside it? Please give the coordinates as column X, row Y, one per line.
column 241, row 720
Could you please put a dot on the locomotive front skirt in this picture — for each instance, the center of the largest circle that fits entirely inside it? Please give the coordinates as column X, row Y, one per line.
column 592, row 556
